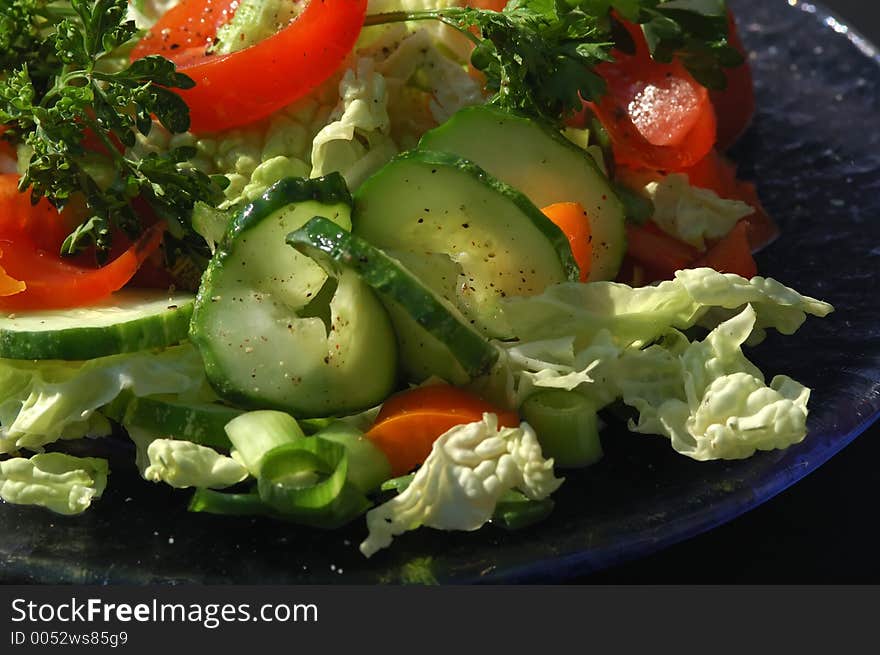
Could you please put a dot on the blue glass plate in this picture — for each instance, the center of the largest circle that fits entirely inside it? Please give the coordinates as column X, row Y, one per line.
column 814, row 151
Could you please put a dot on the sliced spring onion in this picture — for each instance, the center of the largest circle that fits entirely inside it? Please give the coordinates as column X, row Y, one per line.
column 348, row 505
column 398, row 484
column 516, row 511
column 226, row 504
column 567, row 427
column 306, row 475
column 368, row 467
column 256, row 433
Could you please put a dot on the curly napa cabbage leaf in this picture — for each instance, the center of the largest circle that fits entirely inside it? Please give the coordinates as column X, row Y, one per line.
column 356, row 143
column 183, row 464
column 43, row 401
column 692, row 214
column 641, row 315
column 608, row 341
column 709, row 399
column 460, row 483
column 62, row 483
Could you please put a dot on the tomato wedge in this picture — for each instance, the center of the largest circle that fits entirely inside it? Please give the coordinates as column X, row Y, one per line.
column 657, row 253
column 410, row 422
column 657, row 115
column 33, row 274
column 735, row 105
column 731, row 254
column 244, row 86
column 41, row 223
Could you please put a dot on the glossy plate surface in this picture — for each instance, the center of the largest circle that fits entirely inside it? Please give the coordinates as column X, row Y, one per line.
column 815, row 151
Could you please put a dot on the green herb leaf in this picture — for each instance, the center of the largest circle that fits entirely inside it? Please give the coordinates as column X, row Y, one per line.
column 82, row 110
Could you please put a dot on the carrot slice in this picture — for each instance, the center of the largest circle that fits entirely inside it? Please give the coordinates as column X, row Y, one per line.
column 410, row 422
column 572, row 219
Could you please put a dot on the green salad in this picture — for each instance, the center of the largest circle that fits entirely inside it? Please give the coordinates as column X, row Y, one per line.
column 397, row 262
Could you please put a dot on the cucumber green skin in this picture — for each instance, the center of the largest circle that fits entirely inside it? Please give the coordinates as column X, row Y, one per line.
column 443, row 159
column 278, row 196
column 202, row 424
column 332, row 246
column 473, row 131
column 77, row 344
column 331, row 190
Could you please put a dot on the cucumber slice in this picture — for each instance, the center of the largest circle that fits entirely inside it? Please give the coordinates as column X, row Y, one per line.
column 202, row 423
column 273, row 332
column 128, row 321
column 545, row 166
column 433, row 337
column 427, row 206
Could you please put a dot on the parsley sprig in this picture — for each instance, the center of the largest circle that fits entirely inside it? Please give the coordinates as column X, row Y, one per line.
column 80, row 121
column 539, row 56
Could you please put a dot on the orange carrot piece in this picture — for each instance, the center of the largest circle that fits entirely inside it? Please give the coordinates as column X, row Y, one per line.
column 572, row 219
column 410, row 422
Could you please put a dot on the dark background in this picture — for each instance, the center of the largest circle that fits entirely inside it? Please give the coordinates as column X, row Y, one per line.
column 821, row 531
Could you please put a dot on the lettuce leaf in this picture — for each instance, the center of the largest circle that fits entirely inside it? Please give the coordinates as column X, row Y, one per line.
column 460, row 483
column 608, row 341
column 59, row 482
column 691, row 214
column 641, row 315
column 183, row 464
column 356, row 143
column 710, row 400
column 43, row 401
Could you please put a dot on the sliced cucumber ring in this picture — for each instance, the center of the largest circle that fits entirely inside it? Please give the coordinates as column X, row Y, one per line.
column 202, row 423
column 274, row 331
column 472, row 239
column 130, row 320
column 434, row 338
column 545, row 166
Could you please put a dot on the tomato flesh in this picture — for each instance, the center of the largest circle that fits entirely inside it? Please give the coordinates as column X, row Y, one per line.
column 241, row 87
column 33, row 274
column 735, row 105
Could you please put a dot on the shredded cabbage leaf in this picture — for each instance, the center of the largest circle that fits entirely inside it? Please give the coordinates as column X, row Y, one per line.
column 608, row 341
column 357, row 142
column 458, row 486
column 640, row 315
column 710, row 400
column 183, row 464
column 43, row 401
column 62, row 483
column 692, row 214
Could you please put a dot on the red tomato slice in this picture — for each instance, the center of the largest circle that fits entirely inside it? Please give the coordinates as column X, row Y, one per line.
column 718, row 173
column 731, row 254
column 52, row 283
column 657, row 253
column 244, row 86
column 41, row 223
column 33, row 274
column 735, row 105
column 656, row 114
